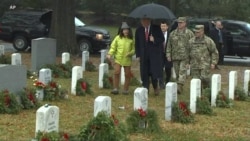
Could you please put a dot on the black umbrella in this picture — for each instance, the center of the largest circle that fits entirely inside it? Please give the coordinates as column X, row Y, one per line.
column 152, row 11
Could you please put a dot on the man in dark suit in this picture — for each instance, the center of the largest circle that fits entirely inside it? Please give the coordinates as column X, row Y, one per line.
column 148, row 48
column 219, row 39
column 167, row 65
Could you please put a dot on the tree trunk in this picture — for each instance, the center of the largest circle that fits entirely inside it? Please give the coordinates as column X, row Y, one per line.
column 63, row 26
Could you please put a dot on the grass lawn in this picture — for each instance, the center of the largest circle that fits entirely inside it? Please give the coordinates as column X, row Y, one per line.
column 228, row 124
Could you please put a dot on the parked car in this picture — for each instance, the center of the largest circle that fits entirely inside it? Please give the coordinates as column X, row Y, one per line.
column 238, row 39
column 20, row 27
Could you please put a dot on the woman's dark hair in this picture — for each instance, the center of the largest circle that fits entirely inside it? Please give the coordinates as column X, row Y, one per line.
column 130, row 33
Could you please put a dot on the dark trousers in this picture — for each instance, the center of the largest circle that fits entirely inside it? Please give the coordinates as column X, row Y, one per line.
column 167, row 67
column 146, row 75
column 221, row 54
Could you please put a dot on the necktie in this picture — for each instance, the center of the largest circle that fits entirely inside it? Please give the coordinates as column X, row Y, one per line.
column 146, row 33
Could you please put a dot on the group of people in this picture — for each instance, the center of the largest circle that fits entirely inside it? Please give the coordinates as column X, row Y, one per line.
column 157, row 50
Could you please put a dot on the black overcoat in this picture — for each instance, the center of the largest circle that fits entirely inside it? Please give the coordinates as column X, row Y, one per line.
column 150, row 52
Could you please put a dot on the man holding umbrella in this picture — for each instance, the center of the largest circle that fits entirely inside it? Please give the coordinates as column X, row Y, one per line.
column 148, row 42
column 148, row 47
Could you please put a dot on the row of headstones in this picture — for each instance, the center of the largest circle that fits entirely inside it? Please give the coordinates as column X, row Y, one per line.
column 47, row 117
column 195, row 91
column 45, row 75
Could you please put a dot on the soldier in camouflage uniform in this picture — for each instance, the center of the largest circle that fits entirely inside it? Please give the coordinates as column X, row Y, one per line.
column 203, row 55
column 177, row 50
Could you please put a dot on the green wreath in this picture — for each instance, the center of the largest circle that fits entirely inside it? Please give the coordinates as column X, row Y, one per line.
column 143, row 121
column 181, row 113
column 8, row 103
column 83, row 87
column 28, row 98
column 89, row 66
column 103, row 128
column 223, row 101
column 240, row 94
column 203, row 106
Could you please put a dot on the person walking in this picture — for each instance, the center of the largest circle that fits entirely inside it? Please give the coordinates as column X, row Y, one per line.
column 167, row 65
column 218, row 37
column 122, row 49
column 148, row 48
column 177, row 51
column 203, row 56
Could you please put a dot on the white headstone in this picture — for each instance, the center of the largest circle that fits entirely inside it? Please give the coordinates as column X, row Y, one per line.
column 102, row 103
column 103, row 55
column 76, row 74
column 65, row 57
column 246, row 80
column 170, row 97
column 122, row 76
column 215, row 88
column 232, row 83
column 141, row 98
column 85, row 58
column 16, row 59
column 195, row 91
column 45, row 75
column 47, row 119
column 1, row 50
column 103, row 68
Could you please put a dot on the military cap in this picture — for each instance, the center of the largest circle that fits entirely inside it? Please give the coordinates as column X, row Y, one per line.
column 181, row 19
column 198, row 28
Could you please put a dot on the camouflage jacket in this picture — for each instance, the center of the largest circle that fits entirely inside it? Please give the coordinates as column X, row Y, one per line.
column 202, row 52
column 177, row 44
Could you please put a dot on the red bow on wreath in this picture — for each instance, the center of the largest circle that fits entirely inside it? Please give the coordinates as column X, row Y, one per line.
column 183, row 107
column 84, row 85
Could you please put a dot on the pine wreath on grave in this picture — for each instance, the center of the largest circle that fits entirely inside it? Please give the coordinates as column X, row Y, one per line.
column 203, row 106
column 181, row 113
column 83, row 87
column 53, row 91
column 143, row 121
column 107, row 81
column 28, row 98
column 103, row 128
column 89, row 66
column 223, row 101
column 8, row 103
column 239, row 94
column 60, row 70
